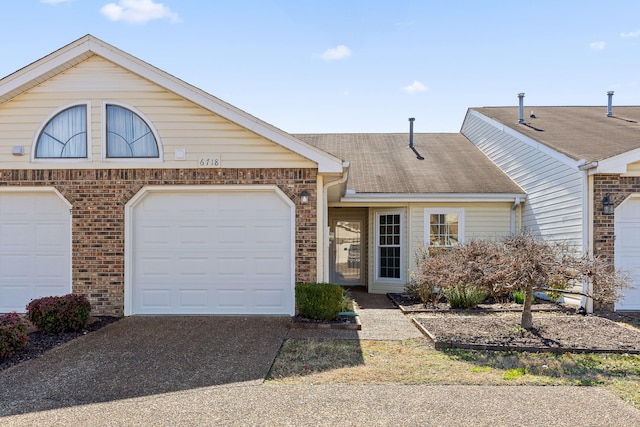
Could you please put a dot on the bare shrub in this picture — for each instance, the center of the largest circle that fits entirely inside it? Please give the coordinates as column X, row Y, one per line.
column 522, row 262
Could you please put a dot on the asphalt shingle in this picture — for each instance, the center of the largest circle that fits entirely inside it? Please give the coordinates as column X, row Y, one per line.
column 383, row 163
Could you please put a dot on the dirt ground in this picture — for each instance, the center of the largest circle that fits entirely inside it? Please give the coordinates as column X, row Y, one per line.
column 497, row 326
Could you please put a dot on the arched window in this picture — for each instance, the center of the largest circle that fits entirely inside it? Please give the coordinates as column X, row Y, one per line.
column 128, row 135
column 64, row 136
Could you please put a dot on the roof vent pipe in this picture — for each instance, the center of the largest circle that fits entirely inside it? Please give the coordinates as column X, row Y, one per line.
column 609, row 104
column 521, row 108
column 411, row 132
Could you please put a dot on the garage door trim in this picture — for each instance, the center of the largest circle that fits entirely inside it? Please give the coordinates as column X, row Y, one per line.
column 129, row 227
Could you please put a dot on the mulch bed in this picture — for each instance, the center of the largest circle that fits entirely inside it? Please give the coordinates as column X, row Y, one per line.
column 556, row 328
column 551, row 333
column 343, row 322
column 411, row 305
column 39, row 343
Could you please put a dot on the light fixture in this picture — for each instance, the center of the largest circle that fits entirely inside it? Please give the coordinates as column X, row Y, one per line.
column 304, row 197
column 607, row 205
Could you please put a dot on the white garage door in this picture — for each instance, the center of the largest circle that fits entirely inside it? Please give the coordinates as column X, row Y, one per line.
column 212, row 252
column 35, row 247
column 627, row 249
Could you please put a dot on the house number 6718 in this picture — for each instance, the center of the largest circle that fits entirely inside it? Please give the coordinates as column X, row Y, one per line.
column 209, row 162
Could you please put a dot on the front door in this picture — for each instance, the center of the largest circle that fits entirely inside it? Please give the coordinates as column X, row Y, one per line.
column 346, row 253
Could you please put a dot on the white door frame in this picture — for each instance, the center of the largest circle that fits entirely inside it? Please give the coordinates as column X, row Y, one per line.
column 128, row 227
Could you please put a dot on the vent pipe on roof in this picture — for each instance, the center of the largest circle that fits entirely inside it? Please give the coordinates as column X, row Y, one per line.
column 521, row 108
column 411, row 119
column 610, row 104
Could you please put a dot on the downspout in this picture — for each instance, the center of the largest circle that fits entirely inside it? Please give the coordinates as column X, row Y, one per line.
column 325, row 219
column 587, row 224
column 516, row 203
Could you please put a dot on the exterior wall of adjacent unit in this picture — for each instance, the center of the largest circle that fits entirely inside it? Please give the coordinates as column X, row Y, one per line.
column 482, row 221
column 98, row 198
column 180, row 124
column 553, row 183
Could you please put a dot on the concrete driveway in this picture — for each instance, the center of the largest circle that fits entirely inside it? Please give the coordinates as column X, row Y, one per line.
column 142, row 356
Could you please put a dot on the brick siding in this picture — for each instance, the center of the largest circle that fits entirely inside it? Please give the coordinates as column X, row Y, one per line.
column 98, row 198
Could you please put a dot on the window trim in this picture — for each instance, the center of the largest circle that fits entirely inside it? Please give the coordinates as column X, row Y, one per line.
column 45, row 122
column 145, row 119
column 376, row 261
column 440, row 211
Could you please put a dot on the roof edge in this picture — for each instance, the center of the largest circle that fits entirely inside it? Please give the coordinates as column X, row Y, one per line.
column 432, row 197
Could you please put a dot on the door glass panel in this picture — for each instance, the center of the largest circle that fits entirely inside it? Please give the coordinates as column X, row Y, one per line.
column 346, row 253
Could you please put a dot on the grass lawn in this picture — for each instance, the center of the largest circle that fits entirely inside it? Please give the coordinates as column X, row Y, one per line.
column 309, row 361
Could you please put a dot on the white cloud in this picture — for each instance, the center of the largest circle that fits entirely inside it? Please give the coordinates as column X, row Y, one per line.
column 631, row 34
column 415, row 87
column 336, row 53
column 138, row 11
column 597, row 45
column 55, row 1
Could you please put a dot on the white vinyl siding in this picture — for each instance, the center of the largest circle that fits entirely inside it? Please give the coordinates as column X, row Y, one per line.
column 482, row 221
column 553, row 208
column 181, row 124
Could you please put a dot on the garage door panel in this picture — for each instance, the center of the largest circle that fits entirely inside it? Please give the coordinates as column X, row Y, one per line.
column 12, row 295
column 47, row 235
column 15, row 236
column 216, row 249
column 50, row 267
column 14, row 267
column 267, row 299
column 154, row 299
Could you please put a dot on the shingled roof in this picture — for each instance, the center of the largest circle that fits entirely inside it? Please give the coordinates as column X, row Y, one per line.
column 578, row 132
column 383, row 163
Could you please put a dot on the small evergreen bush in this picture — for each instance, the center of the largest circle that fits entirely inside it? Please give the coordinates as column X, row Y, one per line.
column 52, row 315
column 13, row 335
column 518, row 296
column 461, row 296
column 319, row 301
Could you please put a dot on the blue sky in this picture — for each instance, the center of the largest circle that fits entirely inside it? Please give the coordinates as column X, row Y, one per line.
column 356, row 66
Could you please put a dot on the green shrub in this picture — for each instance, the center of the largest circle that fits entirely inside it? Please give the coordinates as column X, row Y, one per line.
column 53, row 315
column 13, row 334
column 518, row 296
column 461, row 296
column 319, row 301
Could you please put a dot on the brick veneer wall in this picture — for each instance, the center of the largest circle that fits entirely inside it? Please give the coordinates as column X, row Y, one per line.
column 618, row 188
column 98, row 198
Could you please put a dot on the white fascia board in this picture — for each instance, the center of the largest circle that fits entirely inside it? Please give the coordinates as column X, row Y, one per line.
column 616, row 164
column 430, row 198
column 563, row 158
column 37, row 69
column 326, row 162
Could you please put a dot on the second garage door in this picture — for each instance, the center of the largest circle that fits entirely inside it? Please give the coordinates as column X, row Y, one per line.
column 627, row 250
column 211, row 251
